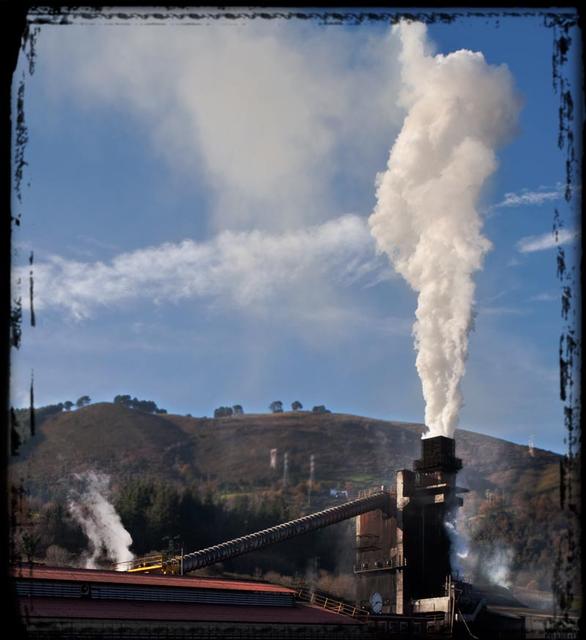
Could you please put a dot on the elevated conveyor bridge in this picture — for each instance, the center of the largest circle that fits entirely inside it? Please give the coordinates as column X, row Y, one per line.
column 261, row 539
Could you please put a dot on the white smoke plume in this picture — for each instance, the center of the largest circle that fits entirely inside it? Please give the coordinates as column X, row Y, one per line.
column 89, row 504
column 477, row 562
column 459, row 548
column 496, row 566
column 459, row 110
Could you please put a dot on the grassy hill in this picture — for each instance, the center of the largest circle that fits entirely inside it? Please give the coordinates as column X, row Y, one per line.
column 103, row 437
column 349, row 451
column 513, row 502
column 234, row 452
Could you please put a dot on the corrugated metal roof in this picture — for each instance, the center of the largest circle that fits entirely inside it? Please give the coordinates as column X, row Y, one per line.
column 109, row 591
column 121, row 577
column 173, row 611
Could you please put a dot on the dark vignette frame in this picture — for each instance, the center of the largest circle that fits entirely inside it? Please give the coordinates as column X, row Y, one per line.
column 20, row 26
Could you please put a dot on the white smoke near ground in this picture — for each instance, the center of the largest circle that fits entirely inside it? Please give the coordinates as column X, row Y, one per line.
column 90, row 506
column 459, row 110
column 474, row 562
column 496, row 566
column 459, row 548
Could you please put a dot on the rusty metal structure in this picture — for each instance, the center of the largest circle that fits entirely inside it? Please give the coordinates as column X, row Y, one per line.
column 403, row 558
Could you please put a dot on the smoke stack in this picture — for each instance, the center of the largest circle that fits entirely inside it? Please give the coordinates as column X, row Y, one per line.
column 438, row 454
column 431, row 535
column 418, row 544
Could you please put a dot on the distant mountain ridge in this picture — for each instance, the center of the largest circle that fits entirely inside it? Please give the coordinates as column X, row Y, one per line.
column 235, row 450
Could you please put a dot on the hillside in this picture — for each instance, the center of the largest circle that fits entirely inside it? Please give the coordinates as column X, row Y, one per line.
column 234, row 452
column 102, row 437
column 511, row 512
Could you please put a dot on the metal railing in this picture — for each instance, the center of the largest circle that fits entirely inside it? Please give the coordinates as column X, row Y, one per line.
column 381, row 565
column 144, row 564
column 308, row 594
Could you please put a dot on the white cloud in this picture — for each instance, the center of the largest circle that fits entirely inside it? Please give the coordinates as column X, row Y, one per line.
column 501, row 311
column 544, row 297
column 530, row 244
column 241, row 269
column 267, row 115
column 535, row 198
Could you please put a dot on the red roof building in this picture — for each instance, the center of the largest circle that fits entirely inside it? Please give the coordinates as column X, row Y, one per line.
column 82, row 603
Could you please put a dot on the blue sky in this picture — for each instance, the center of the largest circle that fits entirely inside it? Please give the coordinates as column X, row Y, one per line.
column 196, row 199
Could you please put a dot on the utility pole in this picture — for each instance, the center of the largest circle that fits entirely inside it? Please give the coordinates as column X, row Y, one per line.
column 311, row 478
column 285, row 469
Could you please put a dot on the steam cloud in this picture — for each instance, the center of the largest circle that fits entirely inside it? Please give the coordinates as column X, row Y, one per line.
column 459, row 549
column 482, row 562
column 459, row 110
column 497, row 567
column 90, row 506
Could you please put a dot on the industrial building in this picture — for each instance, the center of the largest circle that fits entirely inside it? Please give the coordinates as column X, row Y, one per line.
column 404, row 581
column 403, row 552
column 89, row 604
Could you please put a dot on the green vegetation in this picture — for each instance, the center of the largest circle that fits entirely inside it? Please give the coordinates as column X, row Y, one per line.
column 276, row 406
column 154, row 512
column 83, row 401
column 531, row 530
column 45, row 530
column 148, row 406
column 320, row 408
column 223, row 412
column 226, row 412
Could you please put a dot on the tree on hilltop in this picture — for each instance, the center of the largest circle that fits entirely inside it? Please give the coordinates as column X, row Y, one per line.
column 238, row 410
column 320, row 408
column 276, row 406
column 296, row 406
column 82, row 401
column 148, row 406
column 124, row 400
column 223, row 412
column 67, row 405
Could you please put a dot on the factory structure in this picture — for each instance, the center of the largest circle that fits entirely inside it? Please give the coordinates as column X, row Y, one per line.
column 403, row 551
column 402, row 543
column 405, row 585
